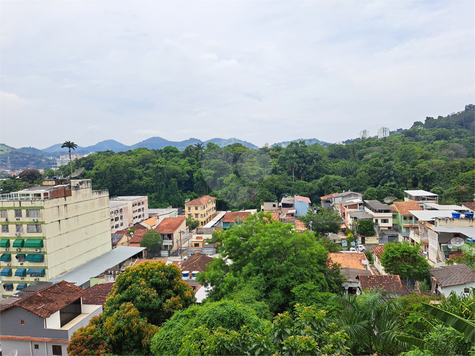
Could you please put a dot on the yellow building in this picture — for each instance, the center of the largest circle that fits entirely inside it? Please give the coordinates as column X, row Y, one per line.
column 202, row 209
column 50, row 229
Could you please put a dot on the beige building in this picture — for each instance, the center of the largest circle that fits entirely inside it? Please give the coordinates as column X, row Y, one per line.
column 50, row 229
column 202, row 209
column 129, row 210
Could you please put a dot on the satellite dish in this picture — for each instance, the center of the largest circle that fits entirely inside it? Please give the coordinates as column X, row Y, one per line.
column 457, row 241
column 77, row 172
column 187, row 200
column 449, row 246
column 388, row 199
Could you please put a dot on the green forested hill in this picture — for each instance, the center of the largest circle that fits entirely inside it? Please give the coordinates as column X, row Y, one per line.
column 437, row 155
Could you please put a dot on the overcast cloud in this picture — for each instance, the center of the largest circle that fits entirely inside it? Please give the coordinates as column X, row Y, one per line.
column 261, row 71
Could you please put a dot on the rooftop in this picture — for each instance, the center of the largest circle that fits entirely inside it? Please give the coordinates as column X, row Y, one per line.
column 469, row 204
column 436, row 206
column 376, row 205
column 378, row 250
column 170, row 225
column 464, row 230
column 352, row 273
column 205, row 199
column 303, row 199
column 97, row 294
column 453, row 275
column 420, row 193
column 49, row 300
column 196, row 262
column 360, row 214
column 128, row 197
column 230, row 217
column 328, row 196
column 82, row 274
column 137, row 237
column 429, row 215
column 349, row 259
column 336, row 195
column 404, row 207
column 389, row 283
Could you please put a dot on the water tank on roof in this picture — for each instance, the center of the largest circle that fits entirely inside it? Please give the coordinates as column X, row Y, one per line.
column 469, row 215
column 456, row 215
column 185, row 274
column 193, row 274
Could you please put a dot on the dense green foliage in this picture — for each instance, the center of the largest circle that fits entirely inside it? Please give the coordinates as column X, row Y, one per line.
column 226, row 314
column 437, row 155
column 323, row 221
column 273, row 258
column 155, row 289
column 406, row 261
column 142, row 298
column 305, row 331
column 151, row 240
column 365, row 227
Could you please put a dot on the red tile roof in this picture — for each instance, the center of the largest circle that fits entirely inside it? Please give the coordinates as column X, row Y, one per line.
column 469, row 204
column 170, row 225
column 349, row 259
column 138, row 227
column 328, row 196
column 301, row 198
column 196, row 262
column 404, row 206
column 300, row 226
column 231, row 217
column 97, row 294
column 137, row 237
column 389, row 283
column 48, row 301
column 205, row 199
column 378, row 250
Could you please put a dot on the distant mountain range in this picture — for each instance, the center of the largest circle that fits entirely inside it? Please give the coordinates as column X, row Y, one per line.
column 31, row 157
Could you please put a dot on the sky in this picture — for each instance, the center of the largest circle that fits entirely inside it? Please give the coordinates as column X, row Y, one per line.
column 261, row 71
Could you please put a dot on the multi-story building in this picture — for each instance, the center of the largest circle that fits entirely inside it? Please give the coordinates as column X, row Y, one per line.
column 119, row 215
column 364, row 134
column 403, row 220
column 382, row 214
column 383, row 132
column 421, row 196
column 50, row 229
column 202, row 209
column 135, row 211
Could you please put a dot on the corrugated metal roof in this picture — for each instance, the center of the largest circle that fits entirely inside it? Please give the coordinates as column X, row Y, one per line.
column 85, row 272
column 428, row 215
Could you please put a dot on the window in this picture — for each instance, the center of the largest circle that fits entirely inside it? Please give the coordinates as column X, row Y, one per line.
column 34, row 213
column 189, row 215
column 36, row 346
column 196, row 216
column 57, row 350
column 5, row 228
column 3, row 214
column 22, row 322
column 384, row 221
column 189, row 208
column 18, row 214
column 33, row 228
column 19, row 228
column 466, row 290
column 196, row 208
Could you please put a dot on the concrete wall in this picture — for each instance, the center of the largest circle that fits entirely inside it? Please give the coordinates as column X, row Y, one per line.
column 455, row 222
column 301, row 208
column 457, row 289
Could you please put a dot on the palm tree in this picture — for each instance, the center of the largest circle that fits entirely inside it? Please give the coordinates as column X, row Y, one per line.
column 71, row 146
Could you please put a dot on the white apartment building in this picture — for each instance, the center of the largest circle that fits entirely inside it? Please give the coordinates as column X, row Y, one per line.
column 383, row 132
column 134, row 210
column 50, row 229
column 364, row 134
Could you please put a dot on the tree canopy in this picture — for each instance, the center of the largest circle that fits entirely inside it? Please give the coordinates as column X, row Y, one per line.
column 323, row 221
column 273, row 258
column 406, row 261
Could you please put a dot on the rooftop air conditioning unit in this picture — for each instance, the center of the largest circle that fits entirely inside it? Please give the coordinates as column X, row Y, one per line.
column 37, row 279
column 38, row 250
column 18, row 249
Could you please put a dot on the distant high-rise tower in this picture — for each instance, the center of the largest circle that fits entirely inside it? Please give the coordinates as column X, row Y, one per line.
column 383, row 132
column 364, row 134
